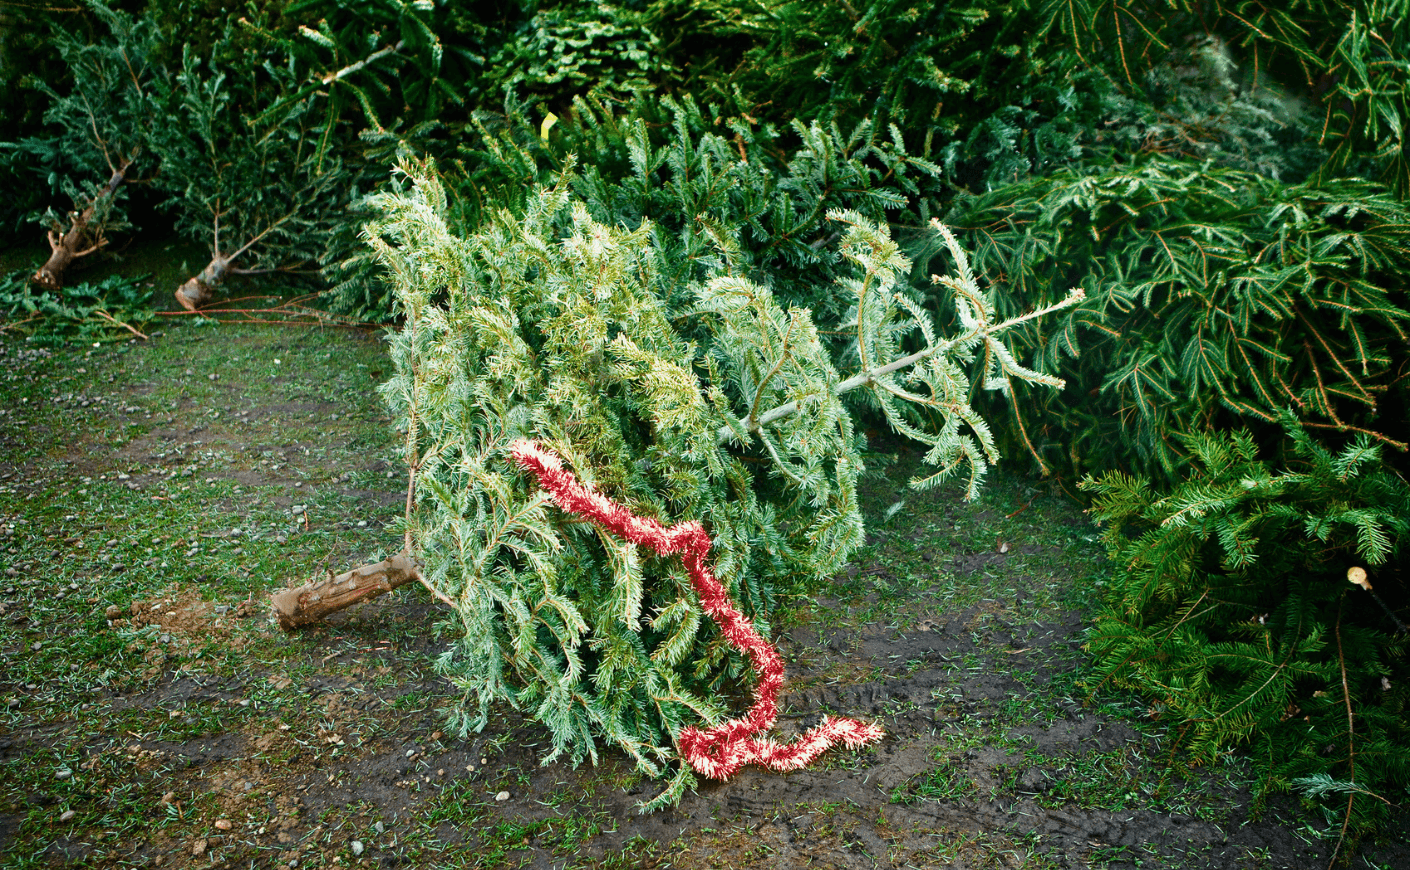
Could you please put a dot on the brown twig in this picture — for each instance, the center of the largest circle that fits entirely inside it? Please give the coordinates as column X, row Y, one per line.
column 127, row 326
column 1350, row 735
column 1346, row 427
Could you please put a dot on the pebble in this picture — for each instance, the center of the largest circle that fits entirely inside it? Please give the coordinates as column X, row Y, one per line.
column 113, row 612
column 357, row 847
column 380, row 828
column 37, row 646
column 63, row 773
column 198, row 848
column 222, row 608
column 502, row 796
column 66, row 815
column 224, row 824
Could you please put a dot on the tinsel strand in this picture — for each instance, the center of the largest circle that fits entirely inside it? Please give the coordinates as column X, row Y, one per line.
column 720, row 751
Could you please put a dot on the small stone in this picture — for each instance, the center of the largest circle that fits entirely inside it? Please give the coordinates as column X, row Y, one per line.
column 380, row 828
column 222, row 608
column 113, row 612
column 357, row 847
column 66, row 815
column 166, row 638
column 198, row 848
column 37, row 646
column 502, row 796
column 224, row 824
column 63, row 773
column 249, row 786
column 411, row 753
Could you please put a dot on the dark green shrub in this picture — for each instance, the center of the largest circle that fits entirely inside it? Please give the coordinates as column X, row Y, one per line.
column 1214, row 297
column 1344, row 57
column 715, row 187
column 1231, row 613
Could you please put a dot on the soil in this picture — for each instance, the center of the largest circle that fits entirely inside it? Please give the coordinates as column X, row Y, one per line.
column 331, row 748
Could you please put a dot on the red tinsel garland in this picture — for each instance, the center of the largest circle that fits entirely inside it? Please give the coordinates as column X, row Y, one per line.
column 720, row 751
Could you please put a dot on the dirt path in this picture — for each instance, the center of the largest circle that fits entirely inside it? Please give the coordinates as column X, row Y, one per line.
column 153, row 716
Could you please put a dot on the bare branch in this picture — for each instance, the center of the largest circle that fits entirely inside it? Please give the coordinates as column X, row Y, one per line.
column 371, row 58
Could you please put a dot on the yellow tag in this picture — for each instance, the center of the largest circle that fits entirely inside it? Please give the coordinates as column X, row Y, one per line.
column 549, row 120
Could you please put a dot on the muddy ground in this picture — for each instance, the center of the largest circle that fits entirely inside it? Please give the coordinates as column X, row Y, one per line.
column 153, row 494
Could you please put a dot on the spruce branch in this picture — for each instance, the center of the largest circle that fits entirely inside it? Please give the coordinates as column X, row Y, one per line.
column 749, row 423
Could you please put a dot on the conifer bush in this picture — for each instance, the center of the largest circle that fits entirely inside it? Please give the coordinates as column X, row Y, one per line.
column 1231, row 612
column 708, row 401
column 1215, row 298
column 715, row 185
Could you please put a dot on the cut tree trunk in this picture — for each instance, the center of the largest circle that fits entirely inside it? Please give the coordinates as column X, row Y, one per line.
column 79, row 240
column 201, row 289
column 314, row 601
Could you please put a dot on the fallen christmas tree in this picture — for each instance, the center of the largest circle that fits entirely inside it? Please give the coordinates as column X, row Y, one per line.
column 103, row 119
column 553, row 328
column 252, row 162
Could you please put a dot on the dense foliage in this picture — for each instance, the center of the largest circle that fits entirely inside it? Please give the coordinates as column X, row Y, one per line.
column 1232, row 613
column 1213, row 295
